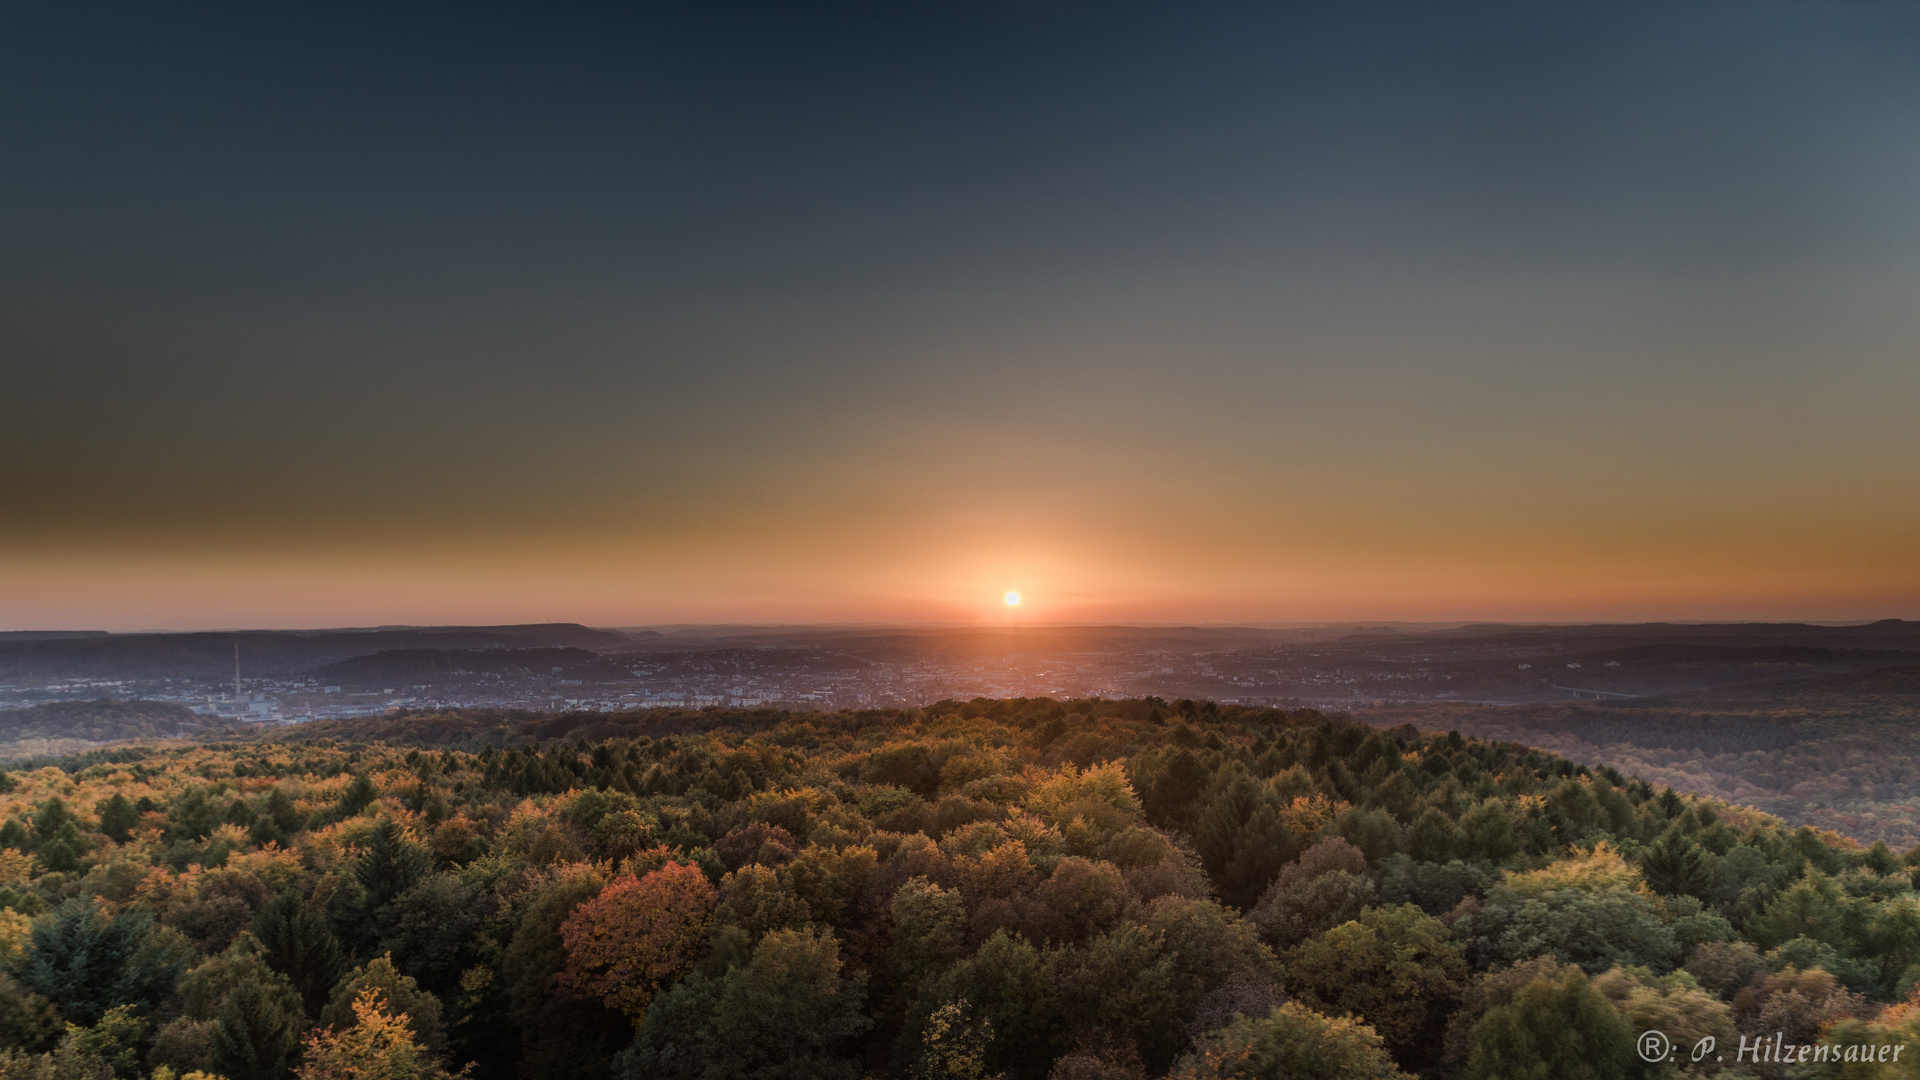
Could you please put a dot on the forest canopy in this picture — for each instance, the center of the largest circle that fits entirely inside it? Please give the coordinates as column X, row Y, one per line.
column 1032, row 889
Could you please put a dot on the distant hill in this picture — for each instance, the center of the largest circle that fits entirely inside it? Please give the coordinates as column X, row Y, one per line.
column 107, row 720
column 1884, row 634
column 1854, row 693
column 407, row 666
column 267, row 653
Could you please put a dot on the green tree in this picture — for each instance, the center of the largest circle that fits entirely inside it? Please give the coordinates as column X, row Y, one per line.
column 359, row 795
column 112, row 1044
column 1489, row 831
column 1010, row 985
column 1673, row 1004
column 1594, row 928
column 1676, row 866
column 429, row 928
column 788, row 1012
column 1208, row 945
column 1483, row 992
column 559, row 1037
column 929, row 930
column 1327, row 886
column 278, row 819
column 257, row 1032
column 1121, row 985
column 57, row 838
column 1563, row 1030
column 192, row 814
column 1083, row 897
column 86, row 963
column 1288, row 1043
column 296, row 942
column 759, row 898
column 117, row 818
column 27, row 1020
column 674, row 1041
column 1396, row 967
column 390, row 864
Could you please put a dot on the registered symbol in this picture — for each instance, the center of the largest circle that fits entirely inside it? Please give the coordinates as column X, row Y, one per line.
column 1655, row 1046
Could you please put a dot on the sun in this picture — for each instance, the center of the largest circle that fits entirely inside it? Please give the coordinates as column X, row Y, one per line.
column 1013, row 599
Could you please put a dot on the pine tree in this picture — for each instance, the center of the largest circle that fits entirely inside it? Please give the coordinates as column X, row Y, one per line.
column 359, row 795
column 390, row 865
column 1674, row 865
column 296, row 943
column 117, row 818
column 86, row 965
column 256, row 1034
column 57, row 838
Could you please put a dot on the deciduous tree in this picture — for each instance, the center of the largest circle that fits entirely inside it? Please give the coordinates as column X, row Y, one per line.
column 1288, row 1043
column 378, row 1046
column 1552, row 1030
column 634, row 936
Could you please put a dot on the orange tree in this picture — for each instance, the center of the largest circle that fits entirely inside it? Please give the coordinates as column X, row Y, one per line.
column 638, row 933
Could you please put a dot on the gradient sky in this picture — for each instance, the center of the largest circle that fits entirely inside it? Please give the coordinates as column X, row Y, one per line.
column 319, row 315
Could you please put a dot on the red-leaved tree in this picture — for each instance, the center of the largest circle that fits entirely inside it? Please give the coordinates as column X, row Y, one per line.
column 637, row 934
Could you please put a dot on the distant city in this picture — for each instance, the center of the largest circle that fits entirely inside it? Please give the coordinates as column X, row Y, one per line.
column 294, row 677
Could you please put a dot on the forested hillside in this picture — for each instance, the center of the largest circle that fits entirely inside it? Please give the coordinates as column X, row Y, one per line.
column 1034, row 889
column 1836, row 751
column 61, row 727
column 104, row 720
column 272, row 653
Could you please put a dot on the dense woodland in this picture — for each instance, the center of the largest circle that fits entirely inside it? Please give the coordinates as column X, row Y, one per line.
column 1028, row 889
column 1840, row 752
column 105, row 720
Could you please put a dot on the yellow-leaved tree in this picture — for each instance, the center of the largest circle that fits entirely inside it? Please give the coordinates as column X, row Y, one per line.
column 379, row 1046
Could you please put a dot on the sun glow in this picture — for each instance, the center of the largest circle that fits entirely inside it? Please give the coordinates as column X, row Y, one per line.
column 1013, row 599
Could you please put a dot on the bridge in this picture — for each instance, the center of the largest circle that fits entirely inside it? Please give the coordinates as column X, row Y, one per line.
column 1598, row 695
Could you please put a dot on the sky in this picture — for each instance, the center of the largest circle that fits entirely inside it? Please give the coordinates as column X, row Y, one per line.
column 628, row 314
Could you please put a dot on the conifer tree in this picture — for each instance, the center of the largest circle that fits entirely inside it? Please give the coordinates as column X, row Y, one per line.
column 1675, row 866
column 57, row 838
column 296, row 943
column 359, row 795
column 390, row 865
column 257, row 1033
column 87, row 964
column 117, row 818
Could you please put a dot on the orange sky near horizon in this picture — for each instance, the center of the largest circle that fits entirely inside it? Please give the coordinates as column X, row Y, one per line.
column 1268, row 313
column 1103, row 575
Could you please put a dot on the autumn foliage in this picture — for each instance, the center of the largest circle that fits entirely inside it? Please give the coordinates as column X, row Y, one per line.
column 379, row 1046
column 638, row 933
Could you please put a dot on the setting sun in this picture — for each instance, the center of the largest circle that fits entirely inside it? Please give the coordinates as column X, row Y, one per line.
column 1013, row 599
